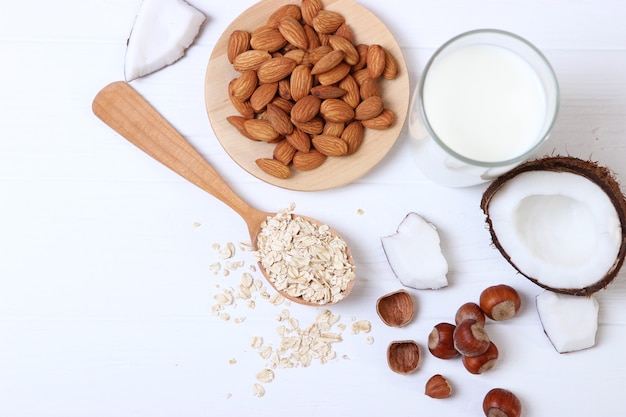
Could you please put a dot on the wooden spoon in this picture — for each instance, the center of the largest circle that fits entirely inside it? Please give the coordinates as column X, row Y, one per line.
column 122, row 108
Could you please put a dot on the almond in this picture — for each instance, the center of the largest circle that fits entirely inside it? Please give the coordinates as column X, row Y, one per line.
column 353, row 94
column 375, row 60
column 315, row 126
column 250, row 60
column 328, row 62
column 306, row 161
column 299, row 140
column 361, row 75
column 292, row 30
column 345, row 32
column 310, row 9
column 238, row 42
column 369, row 108
column 380, row 122
column 369, row 88
column 334, row 75
column 362, row 50
column 242, row 88
column 267, row 39
column 260, row 130
column 284, row 152
column 327, row 91
column 336, row 110
column 275, row 69
column 333, row 129
column 327, row 21
column 263, row 95
column 339, row 43
column 284, row 89
column 312, row 38
column 278, row 119
column 243, row 107
column 301, row 82
column 305, row 109
column 438, row 387
column 318, row 53
column 273, row 167
column 287, row 10
column 283, row 104
column 298, row 55
column 238, row 123
column 391, row 66
column 330, row 145
column 353, row 136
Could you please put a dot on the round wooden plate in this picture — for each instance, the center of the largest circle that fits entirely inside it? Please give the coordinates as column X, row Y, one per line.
column 335, row 171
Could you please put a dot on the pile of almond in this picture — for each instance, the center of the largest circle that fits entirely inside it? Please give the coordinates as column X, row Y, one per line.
column 306, row 87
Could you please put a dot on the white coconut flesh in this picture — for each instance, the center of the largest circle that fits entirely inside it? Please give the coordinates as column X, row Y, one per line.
column 414, row 254
column 558, row 228
column 569, row 321
column 162, row 32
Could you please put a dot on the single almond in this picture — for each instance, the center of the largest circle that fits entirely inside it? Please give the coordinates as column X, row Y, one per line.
column 299, row 140
column 305, row 109
column 369, row 88
column 298, row 55
column 438, row 387
column 328, row 62
column 301, row 82
column 310, row 9
column 391, row 66
column 267, row 39
column 275, row 69
column 306, row 161
column 345, row 32
column 330, row 145
column 340, row 43
column 273, row 167
column 380, row 122
column 362, row 50
column 334, row 129
column 327, row 91
column 284, row 89
column 361, row 75
column 238, row 123
column 375, row 60
column 327, row 21
column 292, row 10
column 369, row 108
column 334, row 75
column 250, row 60
column 260, row 130
column 318, row 53
column 292, row 30
column 263, row 95
column 278, row 119
column 336, row 110
column 315, row 126
column 353, row 94
column 238, row 42
column 284, row 104
column 244, row 108
column 242, row 87
column 284, row 152
column 353, row 135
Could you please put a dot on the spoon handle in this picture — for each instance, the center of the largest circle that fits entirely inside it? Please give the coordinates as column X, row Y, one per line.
column 122, row 108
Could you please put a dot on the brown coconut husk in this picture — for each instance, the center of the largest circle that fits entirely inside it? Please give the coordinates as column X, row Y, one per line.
column 600, row 175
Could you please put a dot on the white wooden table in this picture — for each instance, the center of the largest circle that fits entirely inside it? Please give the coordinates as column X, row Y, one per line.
column 106, row 285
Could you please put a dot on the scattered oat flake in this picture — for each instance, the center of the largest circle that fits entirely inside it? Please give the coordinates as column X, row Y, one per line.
column 256, row 342
column 258, row 390
column 265, row 376
column 232, row 361
column 360, row 211
column 361, row 326
column 369, row 340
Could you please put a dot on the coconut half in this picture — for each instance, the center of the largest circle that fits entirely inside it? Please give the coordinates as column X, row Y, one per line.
column 561, row 222
column 162, row 32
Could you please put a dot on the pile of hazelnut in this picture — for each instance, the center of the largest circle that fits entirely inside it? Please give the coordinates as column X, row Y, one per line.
column 467, row 338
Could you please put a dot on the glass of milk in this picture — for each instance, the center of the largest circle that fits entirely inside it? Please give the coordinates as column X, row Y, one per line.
column 486, row 102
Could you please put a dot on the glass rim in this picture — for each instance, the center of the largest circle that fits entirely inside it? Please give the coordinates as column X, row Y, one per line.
column 462, row 158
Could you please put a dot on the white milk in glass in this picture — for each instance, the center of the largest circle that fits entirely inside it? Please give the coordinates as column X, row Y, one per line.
column 485, row 103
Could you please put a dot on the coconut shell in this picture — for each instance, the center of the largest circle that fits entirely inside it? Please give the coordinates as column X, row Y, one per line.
column 600, row 175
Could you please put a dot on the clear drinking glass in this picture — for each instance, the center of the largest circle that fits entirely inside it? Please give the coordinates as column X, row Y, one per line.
column 486, row 101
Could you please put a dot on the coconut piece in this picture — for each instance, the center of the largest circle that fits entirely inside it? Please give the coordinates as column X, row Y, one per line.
column 162, row 32
column 561, row 222
column 414, row 254
column 570, row 322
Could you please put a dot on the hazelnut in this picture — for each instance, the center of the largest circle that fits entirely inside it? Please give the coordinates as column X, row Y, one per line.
column 481, row 363
column 500, row 302
column 396, row 309
column 403, row 356
column 501, row 403
column 469, row 311
column 438, row 387
column 441, row 341
column 470, row 338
